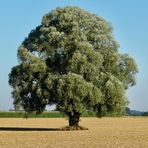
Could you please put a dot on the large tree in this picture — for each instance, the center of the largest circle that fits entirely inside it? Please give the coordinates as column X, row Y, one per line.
column 72, row 60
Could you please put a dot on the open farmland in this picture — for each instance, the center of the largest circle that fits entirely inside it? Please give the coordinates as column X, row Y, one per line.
column 123, row 132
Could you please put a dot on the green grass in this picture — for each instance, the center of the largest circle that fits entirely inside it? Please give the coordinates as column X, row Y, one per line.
column 51, row 114
column 32, row 115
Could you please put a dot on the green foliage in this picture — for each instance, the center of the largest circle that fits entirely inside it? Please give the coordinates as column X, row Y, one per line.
column 74, row 94
column 72, row 60
column 145, row 114
column 127, row 70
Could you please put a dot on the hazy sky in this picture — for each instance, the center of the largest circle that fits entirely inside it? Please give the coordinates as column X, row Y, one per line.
column 128, row 17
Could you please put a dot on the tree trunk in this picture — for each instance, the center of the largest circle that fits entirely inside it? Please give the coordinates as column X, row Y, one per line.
column 74, row 119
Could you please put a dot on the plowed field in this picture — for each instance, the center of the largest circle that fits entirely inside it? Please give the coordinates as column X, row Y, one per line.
column 126, row 132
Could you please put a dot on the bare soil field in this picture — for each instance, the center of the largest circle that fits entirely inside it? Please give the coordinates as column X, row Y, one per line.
column 126, row 132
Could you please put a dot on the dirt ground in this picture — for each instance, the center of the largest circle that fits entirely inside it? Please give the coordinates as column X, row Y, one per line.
column 126, row 132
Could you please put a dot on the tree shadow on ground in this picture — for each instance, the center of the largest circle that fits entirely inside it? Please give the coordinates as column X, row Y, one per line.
column 28, row 129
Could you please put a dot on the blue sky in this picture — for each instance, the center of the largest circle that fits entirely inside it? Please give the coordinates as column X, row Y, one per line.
column 129, row 19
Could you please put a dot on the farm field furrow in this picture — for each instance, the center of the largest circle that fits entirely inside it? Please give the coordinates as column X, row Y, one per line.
column 126, row 132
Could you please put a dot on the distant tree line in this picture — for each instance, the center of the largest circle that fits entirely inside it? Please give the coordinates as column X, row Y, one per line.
column 130, row 112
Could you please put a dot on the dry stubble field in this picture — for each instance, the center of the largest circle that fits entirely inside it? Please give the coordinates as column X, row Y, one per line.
column 126, row 132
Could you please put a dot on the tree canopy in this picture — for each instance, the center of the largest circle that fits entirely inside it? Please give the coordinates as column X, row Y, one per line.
column 72, row 60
